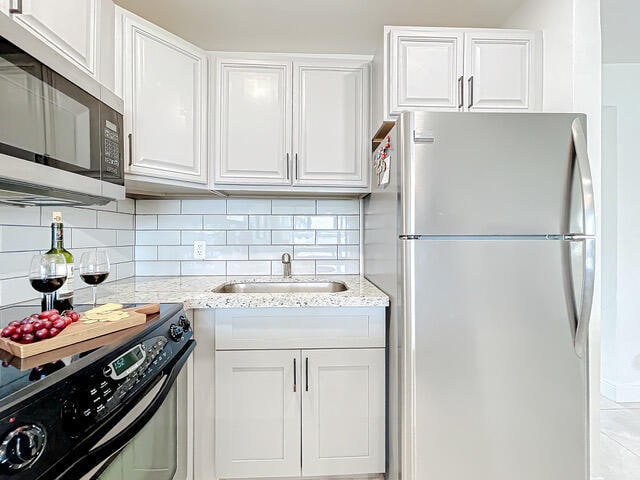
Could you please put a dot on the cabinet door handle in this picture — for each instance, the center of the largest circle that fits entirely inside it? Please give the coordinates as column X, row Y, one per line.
column 295, row 381
column 470, row 91
column 17, row 9
column 287, row 166
column 130, row 149
column 306, row 374
column 460, row 92
column 296, row 166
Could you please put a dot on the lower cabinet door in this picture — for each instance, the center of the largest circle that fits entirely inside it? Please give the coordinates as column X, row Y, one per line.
column 343, row 412
column 257, row 418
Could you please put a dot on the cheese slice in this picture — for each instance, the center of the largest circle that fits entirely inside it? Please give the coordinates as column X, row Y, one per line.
column 107, row 307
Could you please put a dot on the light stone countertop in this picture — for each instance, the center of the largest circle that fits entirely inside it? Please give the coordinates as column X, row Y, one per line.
column 197, row 292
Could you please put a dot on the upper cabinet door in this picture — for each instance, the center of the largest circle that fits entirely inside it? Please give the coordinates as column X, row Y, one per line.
column 343, row 412
column 330, row 111
column 425, row 70
column 257, row 413
column 253, row 122
column 69, row 26
column 164, row 86
column 503, row 71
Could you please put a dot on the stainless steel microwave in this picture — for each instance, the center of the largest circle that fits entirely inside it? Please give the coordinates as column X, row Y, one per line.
column 58, row 144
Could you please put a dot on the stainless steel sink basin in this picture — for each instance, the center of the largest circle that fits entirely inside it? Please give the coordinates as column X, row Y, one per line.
column 281, row 287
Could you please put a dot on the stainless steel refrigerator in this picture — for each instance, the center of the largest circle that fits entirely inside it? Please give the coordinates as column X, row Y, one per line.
column 484, row 239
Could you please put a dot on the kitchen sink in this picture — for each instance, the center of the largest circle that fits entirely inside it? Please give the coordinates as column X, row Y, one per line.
column 281, row 287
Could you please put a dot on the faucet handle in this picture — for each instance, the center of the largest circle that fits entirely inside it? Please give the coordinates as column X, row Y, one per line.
column 286, row 258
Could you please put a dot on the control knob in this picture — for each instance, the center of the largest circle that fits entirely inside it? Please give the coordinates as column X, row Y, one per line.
column 176, row 332
column 22, row 446
column 184, row 323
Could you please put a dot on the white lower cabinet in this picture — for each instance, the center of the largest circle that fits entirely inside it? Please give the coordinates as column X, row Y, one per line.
column 257, row 417
column 343, row 412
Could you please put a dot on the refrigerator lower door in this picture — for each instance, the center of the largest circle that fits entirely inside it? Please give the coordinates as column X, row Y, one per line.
column 494, row 389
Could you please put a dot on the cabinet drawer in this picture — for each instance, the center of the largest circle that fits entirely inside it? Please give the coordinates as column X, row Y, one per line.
column 260, row 328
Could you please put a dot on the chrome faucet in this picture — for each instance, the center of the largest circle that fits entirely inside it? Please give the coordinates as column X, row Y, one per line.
column 286, row 265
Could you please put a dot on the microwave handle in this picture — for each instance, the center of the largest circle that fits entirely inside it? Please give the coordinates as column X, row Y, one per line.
column 98, row 454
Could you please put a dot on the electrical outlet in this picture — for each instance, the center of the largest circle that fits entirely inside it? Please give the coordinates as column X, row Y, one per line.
column 199, row 250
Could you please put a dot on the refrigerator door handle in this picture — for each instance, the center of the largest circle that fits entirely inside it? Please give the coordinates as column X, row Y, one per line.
column 589, row 225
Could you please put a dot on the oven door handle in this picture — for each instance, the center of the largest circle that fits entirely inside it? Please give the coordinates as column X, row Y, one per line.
column 112, row 446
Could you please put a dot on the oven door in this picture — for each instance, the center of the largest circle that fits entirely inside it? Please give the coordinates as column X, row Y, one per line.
column 153, row 441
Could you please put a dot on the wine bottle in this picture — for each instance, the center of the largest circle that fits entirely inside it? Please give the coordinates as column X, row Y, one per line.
column 63, row 298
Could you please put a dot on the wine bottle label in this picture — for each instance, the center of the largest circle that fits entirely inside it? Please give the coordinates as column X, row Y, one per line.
column 66, row 290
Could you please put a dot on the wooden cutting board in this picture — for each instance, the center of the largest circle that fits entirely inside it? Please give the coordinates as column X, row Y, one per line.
column 80, row 331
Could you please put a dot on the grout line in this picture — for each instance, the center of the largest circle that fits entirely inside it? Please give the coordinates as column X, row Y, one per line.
column 620, row 444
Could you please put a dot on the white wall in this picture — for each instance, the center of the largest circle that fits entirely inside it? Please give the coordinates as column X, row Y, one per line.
column 621, row 332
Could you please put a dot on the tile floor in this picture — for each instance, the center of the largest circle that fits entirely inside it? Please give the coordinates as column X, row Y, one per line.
column 619, row 440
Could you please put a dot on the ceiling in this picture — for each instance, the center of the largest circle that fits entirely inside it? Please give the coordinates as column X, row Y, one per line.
column 327, row 26
column 620, row 32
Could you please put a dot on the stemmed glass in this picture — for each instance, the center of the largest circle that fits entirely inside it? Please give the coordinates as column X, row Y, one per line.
column 94, row 269
column 47, row 273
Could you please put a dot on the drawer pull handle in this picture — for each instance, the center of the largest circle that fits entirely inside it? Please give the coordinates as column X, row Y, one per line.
column 306, row 374
column 295, row 387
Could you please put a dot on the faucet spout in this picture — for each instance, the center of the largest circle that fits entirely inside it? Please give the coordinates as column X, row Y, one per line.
column 286, row 265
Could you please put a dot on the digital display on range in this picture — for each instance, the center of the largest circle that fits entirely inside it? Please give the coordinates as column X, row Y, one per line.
column 127, row 360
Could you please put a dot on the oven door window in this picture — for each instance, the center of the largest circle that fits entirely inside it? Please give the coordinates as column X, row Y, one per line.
column 160, row 450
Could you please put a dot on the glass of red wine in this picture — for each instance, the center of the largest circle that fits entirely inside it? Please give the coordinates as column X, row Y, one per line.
column 94, row 269
column 47, row 273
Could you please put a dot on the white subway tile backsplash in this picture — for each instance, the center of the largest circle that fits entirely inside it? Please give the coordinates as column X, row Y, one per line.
column 270, row 222
column 212, row 237
column 349, row 252
column 16, row 290
column 351, row 222
column 156, row 207
column 337, row 267
column 251, row 267
column 290, row 237
column 92, row 238
column 146, row 252
column 180, row 222
column 10, row 215
column 315, row 222
column 16, row 239
column 254, row 206
column 121, row 221
column 119, row 254
column 125, row 270
column 314, row 252
column 226, row 222
column 175, row 253
column 293, row 206
column 146, row 222
column 128, row 205
column 203, row 268
column 298, row 267
column 249, row 237
column 202, row 206
column 71, row 217
column 125, row 238
column 146, row 269
column 15, row 264
column 269, row 252
column 338, row 237
column 158, row 237
column 228, row 252
column 338, row 207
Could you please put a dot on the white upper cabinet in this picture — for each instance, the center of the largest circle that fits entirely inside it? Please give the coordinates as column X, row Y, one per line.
column 343, row 412
column 330, row 118
column 164, row 81
column 426, row 70
column 69, row 26
column 503, row 71
column 462, row 70
column 285, row 123
column 253, row 122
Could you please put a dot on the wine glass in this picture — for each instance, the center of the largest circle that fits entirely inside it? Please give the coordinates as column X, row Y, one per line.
column 94, row 269
column 47, row 273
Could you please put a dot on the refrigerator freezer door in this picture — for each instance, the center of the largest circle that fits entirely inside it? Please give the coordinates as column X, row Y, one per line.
column 488, row 173
column 494, row 389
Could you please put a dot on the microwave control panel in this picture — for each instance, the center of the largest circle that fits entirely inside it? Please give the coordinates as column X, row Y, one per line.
column 111, row 164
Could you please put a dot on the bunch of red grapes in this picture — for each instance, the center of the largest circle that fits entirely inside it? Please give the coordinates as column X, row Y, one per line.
column 39, row 326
